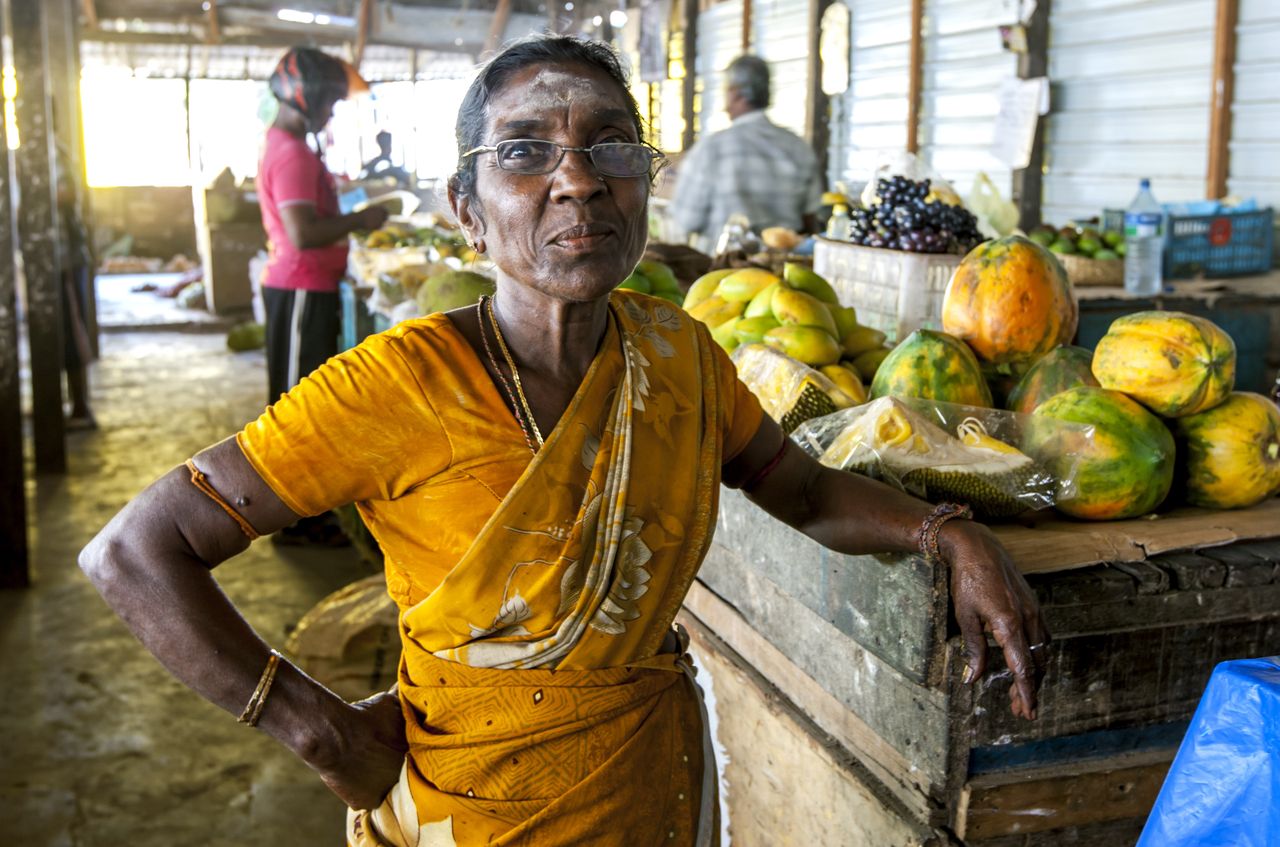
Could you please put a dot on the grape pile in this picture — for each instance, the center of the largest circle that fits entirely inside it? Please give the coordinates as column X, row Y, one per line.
column 904, row 220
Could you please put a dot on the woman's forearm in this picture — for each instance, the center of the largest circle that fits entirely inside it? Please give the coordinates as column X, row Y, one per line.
column 152, row 563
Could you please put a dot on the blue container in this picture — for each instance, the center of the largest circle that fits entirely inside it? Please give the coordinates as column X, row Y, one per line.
column 1219, row 245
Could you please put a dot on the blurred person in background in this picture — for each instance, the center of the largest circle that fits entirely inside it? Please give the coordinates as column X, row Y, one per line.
column 381, row 166
column 307, row 237
column 753, row 168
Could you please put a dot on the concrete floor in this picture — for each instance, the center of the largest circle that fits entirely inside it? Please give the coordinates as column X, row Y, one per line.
column 98, row 745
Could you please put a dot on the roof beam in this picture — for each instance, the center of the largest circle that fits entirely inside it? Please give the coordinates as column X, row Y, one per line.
column 212, row 34
column 499, row 26
column 363, row 18
column 90, row 10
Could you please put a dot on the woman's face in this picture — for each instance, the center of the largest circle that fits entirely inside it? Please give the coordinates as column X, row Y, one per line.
column 572, row 233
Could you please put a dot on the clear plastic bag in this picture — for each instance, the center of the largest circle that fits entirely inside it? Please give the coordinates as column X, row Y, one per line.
column 790, row 391
column 941, row 452
column 914, row 168
column 997, row 217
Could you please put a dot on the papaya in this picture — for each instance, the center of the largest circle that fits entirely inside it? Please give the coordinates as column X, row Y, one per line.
column 1173, row 363
column 1231, row 452
column 809, row 344
column 1059, row 369
column 1121, row 466
column 796, row 307
column 1011, row 301
column 932, row 365
column 704, row 286
column 743, row 285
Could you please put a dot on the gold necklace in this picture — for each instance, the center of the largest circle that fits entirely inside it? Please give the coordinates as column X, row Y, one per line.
column 502, row 378
column 515, row 374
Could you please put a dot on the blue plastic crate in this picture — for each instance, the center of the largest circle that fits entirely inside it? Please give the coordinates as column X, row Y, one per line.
column 1219, row 245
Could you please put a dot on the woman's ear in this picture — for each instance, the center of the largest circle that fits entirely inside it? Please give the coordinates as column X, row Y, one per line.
column 466, row 211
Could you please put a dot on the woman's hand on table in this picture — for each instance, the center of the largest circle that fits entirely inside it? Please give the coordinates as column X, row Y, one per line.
column 989, row 594
column 364, row 761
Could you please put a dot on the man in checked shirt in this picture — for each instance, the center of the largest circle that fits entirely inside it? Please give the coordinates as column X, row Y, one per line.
column 753, row 168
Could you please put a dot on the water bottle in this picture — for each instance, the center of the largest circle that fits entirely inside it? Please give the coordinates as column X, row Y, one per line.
column 1144, row 243
column 838, row 224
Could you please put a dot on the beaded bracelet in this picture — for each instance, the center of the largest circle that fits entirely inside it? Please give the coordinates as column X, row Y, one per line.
column 253, row 710
column 928, row 533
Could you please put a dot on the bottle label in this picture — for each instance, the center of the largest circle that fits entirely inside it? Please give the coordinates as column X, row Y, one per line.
column 1142, row 224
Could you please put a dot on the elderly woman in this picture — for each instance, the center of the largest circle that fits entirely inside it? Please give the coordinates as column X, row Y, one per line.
column 541, row 471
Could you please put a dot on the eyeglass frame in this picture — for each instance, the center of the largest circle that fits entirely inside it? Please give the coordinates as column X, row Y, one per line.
column 656, row 157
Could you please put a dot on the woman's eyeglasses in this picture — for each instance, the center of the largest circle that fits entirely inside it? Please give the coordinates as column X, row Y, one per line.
column 532, row 156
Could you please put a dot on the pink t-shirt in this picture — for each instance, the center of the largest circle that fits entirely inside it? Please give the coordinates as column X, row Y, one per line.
column 291, row 173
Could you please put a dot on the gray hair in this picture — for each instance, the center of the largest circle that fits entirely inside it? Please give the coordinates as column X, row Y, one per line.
column 750, row 76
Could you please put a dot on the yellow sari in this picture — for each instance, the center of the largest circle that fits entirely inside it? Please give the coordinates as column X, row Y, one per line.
column 540, row 710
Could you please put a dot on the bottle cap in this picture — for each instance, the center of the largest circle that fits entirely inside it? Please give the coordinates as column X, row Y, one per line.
column 1144, row 183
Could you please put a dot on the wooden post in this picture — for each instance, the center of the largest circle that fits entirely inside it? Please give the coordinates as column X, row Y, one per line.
column 1223, row 96
column 38, row 235
column 915, row 74
column 817, row 106
column 1028, row 183
column 13, row 497
column 213, row 33
column 689, row 88
column 90, row 10
column 363, row 20
column 746, row 26
column 498, row 27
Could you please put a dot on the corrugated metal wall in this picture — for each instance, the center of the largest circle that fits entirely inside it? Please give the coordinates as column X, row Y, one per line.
column 959, row 98
column 780, row 36
column 1255, row 130
column 871, row 116
column 1131, row 85
column 719, row 43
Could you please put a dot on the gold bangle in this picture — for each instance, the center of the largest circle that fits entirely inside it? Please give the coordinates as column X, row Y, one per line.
column 253, row 709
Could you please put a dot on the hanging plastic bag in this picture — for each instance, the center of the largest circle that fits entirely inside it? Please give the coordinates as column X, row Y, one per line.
column 914, row 168
column 997, row 217
column 940, row 452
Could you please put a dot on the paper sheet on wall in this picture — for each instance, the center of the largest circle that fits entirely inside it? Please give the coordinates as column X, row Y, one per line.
column 1022, row 102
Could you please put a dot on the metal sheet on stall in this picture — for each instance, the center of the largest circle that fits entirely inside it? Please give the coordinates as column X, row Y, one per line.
column 780, row 36
column 719, row 43
column 1255, row 131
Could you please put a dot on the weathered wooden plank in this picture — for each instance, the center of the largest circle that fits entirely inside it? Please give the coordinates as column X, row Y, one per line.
column 38, row 235
column 885, row 604
column 1118, row 679
column 1095, row 585
column 1055, row 798
column 1150, row 578
column 1192, row 571
column 896, row 729
column 1170, row 609
column 1245, row 566
column 14, row 572
column 1055, row 544
column 775, row 751
column 1122, row 832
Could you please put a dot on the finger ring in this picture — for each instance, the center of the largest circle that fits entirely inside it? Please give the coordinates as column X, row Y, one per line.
column 1039, row 646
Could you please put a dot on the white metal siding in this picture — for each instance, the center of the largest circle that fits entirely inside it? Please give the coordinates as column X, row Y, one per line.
column 1255, row 130
column 1131, row 86
column 780, row 36
column 959, row 98
column 719, row 43
column 870, row 118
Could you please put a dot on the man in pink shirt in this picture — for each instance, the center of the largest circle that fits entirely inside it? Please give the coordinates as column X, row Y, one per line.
column 307, row 236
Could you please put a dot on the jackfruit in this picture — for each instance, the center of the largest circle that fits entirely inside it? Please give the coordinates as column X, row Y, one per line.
column 789, row 391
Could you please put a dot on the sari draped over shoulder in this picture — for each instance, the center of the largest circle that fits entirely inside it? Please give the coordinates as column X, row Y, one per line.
column 541, row 709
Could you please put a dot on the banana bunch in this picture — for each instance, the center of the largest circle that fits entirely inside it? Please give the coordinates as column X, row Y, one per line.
column 798, row 314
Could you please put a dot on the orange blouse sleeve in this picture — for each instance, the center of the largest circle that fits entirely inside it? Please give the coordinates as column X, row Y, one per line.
column 740, row 410
column 361, row 427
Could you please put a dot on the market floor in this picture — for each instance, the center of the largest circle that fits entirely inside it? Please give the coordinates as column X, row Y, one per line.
column 99, row 746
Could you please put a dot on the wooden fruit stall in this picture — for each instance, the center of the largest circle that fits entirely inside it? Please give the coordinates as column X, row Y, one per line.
column 837, row 678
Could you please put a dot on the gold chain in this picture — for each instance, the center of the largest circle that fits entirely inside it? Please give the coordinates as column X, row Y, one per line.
column 502, row 378
column 515, row 374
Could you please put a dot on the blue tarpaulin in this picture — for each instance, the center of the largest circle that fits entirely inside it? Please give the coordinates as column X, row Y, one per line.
column 1223, row 789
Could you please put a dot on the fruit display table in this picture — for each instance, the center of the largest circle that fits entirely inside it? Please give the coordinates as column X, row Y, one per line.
column 1246, row 308
column 838, row 687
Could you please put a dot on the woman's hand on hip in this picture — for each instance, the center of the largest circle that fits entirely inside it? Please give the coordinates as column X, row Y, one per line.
column 989, row 594
column 368, row 752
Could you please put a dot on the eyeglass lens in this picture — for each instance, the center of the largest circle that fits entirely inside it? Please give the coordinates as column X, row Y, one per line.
column 539, row 157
